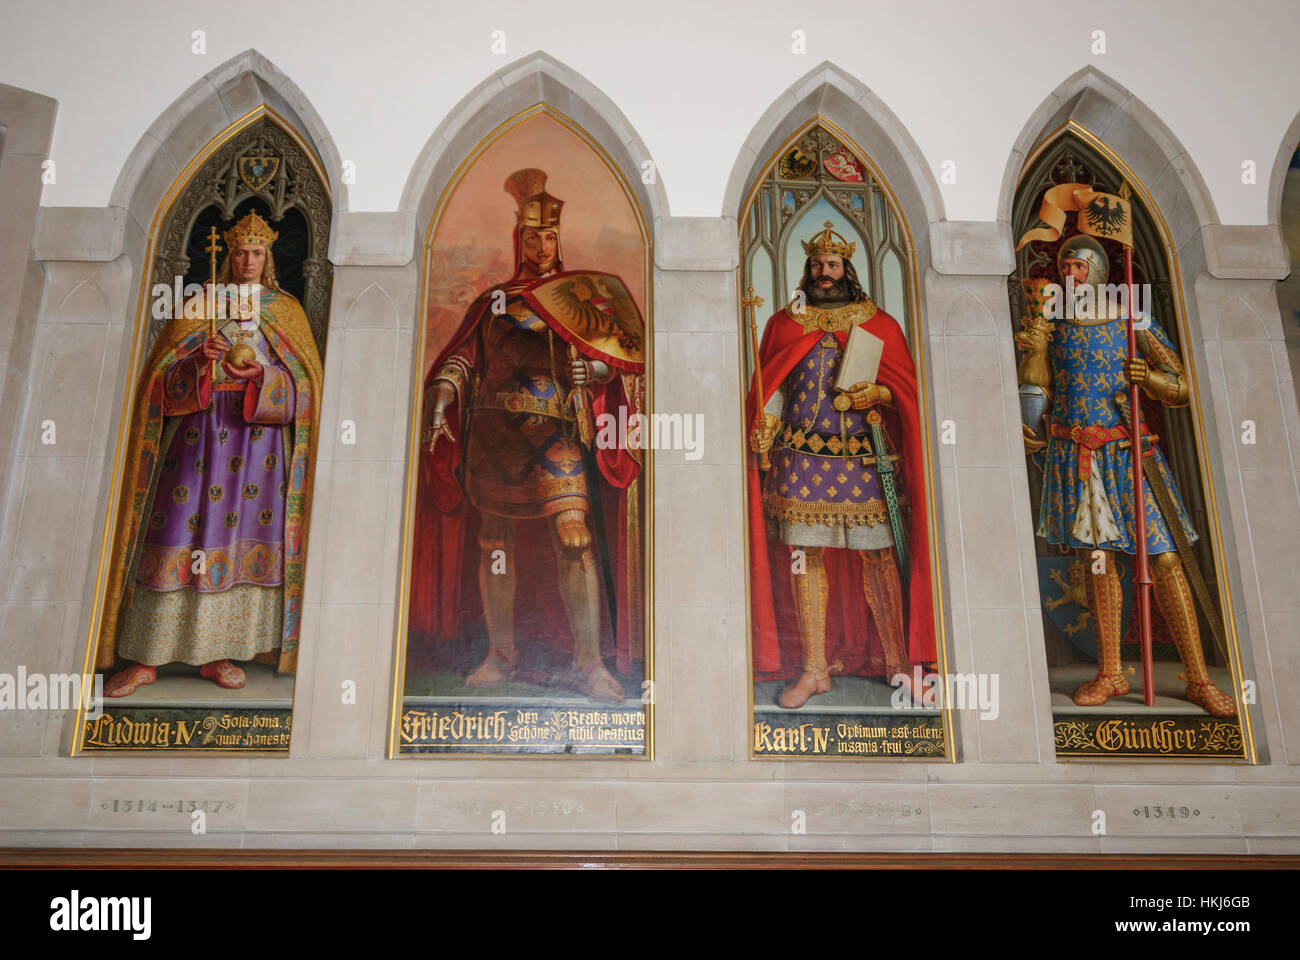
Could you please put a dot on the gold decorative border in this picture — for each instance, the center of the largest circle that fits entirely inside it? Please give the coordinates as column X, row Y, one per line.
column 1207, row 474
column 178, row 184
column 917, row 340
column 412, row 454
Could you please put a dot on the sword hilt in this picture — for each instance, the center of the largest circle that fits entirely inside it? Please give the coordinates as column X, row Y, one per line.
column 1149, row 439
column 884, row 463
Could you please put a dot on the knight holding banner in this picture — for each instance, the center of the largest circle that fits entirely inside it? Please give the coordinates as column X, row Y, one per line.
column 1075, row 376
column 838, row 527
column 510, row 460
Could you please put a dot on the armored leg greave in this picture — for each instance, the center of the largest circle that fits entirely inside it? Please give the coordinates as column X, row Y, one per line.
column 1174, row 598
column 812, row 597
column 580, row 591
column 1106, row 602
column 884, row 591
column 498, row 588
column 498, row 592
column 579, row 582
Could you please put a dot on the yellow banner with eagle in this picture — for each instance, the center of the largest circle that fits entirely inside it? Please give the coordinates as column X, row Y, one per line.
column 1103, row 215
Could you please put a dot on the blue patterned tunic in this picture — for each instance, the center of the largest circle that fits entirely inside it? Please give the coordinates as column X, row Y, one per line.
column 1088, row 370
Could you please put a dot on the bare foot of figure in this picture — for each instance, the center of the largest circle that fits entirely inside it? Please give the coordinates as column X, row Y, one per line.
column 809, row 683
column 496, row 668
column 599, row 684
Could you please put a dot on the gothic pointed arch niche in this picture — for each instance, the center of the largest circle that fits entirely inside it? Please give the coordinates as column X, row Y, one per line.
column 258, row 161
column 1072, row 153
column 262, row 166
column 1284, row 210
column 535, row 79
column 819, row 180
column 816, row 178
column 495, row 602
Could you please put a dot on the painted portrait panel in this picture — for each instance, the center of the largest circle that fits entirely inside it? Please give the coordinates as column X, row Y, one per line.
column 198, row 614
column 1141, row 648
column 844, row 607
column 526, row 612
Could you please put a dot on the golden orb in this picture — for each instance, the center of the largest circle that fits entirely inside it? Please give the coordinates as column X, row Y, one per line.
column 240, row 355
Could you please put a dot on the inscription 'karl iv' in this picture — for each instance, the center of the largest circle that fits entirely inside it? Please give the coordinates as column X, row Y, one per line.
column 805, row 738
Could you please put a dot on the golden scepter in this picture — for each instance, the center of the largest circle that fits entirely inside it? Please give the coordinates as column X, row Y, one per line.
column 213, row 248
column 749, row 303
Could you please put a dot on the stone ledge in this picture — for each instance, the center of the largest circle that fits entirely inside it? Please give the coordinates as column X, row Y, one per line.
column 80, row 233
column 1246, row 252
column 972, row 247
column 382, row 239
column 696, row 243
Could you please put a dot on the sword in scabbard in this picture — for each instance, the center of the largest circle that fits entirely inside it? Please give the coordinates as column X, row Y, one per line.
column 582, row 414
column 885, row 467
column 1169, row 510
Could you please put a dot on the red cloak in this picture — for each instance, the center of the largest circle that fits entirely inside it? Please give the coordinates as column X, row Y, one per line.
column 851, row 638
column 444, row 579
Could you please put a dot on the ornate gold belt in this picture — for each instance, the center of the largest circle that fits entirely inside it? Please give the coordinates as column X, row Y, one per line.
column 516, row 401
column 830, row 444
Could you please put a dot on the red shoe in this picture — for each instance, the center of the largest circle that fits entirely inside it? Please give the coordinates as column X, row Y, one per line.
column 126, row 682
column 1211, row 699
column 1100, row 689
column 223, row 673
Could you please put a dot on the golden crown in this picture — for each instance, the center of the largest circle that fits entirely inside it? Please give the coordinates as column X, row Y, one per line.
column 828, row 242
column 252, row 229
column 537, row 208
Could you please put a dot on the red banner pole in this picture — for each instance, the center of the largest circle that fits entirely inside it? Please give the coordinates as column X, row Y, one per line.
column 1142, row 581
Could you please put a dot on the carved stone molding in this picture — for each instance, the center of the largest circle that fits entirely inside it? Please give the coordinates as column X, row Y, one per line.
column 220, row 183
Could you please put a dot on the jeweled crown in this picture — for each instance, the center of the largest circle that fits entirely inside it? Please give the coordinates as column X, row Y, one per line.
column 828, row 242
column 252, row 229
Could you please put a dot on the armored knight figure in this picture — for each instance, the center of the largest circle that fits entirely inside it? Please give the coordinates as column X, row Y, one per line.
column 843, row 502
column 1074, row 376
column 507, row 427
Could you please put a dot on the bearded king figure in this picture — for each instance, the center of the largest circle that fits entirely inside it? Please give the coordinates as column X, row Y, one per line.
column 832, row 517
column 1077, row 367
